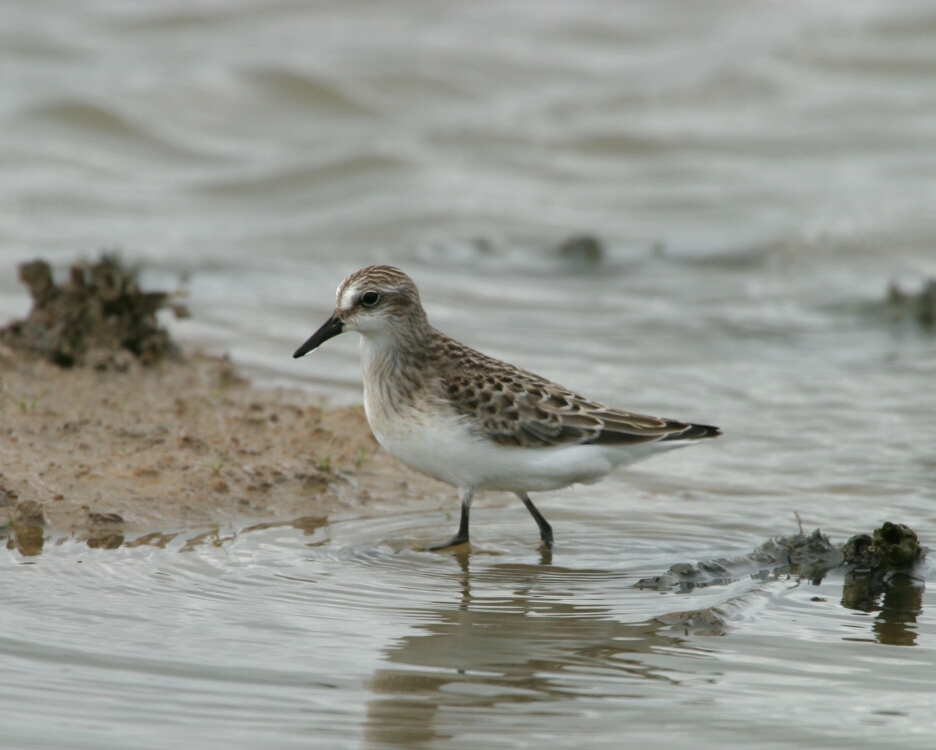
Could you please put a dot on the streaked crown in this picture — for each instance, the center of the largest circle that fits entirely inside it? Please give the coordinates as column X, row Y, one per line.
column 375, row 297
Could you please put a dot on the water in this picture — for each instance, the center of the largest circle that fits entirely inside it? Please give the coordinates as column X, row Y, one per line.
column 289, row 640
column 757, row 175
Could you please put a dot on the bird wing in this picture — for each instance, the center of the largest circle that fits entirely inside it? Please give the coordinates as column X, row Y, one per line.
column 516, row 408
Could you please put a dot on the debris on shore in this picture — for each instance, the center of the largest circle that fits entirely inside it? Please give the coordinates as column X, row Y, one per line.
column 98, row 317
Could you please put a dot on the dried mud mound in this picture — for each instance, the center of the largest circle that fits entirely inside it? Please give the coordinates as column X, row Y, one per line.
column 186, row 444
column 98, row 317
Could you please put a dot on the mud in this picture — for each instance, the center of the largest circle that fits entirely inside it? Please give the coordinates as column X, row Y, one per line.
column 880, row 574
column 892, row 548
column 111, row 456
column 108, row 432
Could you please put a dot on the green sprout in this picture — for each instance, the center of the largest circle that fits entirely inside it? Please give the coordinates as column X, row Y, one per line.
column 324, row 461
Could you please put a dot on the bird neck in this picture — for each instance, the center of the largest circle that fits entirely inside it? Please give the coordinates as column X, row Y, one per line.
column 397, row 368
column 398, row 349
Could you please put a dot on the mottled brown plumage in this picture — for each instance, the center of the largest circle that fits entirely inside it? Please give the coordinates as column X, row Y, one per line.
column 517, row 408
column 474, row 421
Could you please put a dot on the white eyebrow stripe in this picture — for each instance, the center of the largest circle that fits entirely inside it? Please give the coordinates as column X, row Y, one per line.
column 346, row 300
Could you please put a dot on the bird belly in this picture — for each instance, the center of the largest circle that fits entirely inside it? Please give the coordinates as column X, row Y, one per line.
column 518, row 469
column 446, row 449
column 442, row 445
column 427, row 443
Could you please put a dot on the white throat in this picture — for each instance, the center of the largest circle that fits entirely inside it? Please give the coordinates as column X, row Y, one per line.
column 377, row 353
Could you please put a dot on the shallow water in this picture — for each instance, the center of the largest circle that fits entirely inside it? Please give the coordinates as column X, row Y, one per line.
column 756, row 174
column 346, row 636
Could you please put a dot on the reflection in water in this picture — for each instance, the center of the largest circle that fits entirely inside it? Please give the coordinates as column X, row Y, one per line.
column 897, row 597
column 104, row 538
column 515, row 636
column 26, row 530
column 516, row 647
column 27, row 539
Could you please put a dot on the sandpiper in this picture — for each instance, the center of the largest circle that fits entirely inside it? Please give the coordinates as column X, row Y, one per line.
column 471, row 420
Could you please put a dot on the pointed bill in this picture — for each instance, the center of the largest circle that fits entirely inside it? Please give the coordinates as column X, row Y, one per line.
column 331, row 328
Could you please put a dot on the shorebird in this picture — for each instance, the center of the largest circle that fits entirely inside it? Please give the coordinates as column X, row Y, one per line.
column 473, row 421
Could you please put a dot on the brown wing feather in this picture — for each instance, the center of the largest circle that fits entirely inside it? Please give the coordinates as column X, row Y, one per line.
column 518, row 408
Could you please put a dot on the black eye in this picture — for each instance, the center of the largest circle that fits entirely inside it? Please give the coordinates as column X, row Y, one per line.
column 369, row 299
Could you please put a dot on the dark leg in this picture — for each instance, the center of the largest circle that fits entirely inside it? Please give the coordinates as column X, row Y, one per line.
column 462, row 536
column 544, row 527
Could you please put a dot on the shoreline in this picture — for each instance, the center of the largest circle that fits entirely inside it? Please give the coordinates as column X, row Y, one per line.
column 103, row 455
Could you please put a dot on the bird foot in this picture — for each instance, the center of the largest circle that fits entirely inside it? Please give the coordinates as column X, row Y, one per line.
column 455, row 541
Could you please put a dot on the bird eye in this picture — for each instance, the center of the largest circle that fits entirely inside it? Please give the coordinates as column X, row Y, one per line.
column 369, row 299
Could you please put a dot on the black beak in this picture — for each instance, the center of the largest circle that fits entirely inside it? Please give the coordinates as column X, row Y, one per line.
column 333, row 326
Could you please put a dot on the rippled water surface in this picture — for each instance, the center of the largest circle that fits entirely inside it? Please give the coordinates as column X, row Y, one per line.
column 338, row 638
column 756, row 175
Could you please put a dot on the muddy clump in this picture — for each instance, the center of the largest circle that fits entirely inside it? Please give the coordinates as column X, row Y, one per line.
column 881, row 574
column 583, row 249
column 99, row 317
column 920, row 306
column 893, row 548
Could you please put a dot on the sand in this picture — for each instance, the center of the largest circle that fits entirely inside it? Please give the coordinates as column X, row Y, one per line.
column 137, row 453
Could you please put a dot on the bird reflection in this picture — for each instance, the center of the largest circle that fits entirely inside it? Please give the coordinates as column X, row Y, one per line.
column 518, row 634
column 519, row 641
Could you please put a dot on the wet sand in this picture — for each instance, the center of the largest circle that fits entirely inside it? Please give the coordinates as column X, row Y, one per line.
column 114, row 455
